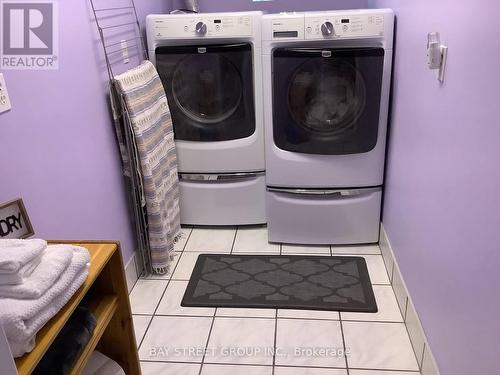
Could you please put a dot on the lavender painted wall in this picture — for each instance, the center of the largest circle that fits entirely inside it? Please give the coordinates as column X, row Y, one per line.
column 275, row 5
column 442, row 207
column 57, row 146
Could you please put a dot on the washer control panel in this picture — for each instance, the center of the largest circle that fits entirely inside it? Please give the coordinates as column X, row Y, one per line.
column 202, row 26
column 291, row 27
column 322, row 26
column 344, row 26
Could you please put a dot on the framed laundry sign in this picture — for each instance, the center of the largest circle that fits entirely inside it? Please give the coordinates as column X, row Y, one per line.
column 14, row 220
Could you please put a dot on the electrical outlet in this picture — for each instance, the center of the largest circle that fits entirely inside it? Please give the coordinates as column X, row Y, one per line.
column 4, row 96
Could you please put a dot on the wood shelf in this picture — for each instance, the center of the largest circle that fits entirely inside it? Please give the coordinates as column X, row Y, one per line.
column 103, row 310
column 109, row 302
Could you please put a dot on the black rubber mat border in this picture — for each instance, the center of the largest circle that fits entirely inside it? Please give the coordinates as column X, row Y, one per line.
column 370, row 305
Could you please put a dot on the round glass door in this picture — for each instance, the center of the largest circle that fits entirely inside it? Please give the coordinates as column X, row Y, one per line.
column 326, row 96
column 207, row 88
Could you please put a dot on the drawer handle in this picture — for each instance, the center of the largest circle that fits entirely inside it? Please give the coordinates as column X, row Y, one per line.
column 324, row 192
column 207, row 177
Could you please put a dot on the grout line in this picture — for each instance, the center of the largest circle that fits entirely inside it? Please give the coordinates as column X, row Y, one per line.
column 213, row 317
column 187, row 239
column 135, row 283
column 234, row 240
column 218, row 316
column 245, row 364
column 386, row 270
column 164, row 291
column 303, row 254
column 370, row 321
column 390, row 272
column 421, row 364
column 343, row 343
column 308, row 319
column 396, row 372
column 275, row 335
column 146, row 331
column 421, row 361
column 409, row 338
column 199, row 252
column 153, row 315
column 413, row 348
column 142, row 314
column 277, row 317
column 208, row 340
column 356, row 255
column 255, row 253
column 185, row 316
column 406, row 309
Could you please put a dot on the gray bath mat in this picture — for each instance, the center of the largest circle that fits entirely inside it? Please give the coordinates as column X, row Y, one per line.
column 338, row 283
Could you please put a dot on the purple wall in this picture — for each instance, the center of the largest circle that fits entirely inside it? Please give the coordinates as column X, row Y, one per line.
column 442, row 208
column 274, row 6
column 57, row 146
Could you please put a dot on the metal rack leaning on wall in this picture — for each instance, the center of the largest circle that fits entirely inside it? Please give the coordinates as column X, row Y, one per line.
column 120, row 33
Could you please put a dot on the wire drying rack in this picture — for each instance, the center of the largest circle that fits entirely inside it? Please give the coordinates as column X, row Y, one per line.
column 119, row 31
column 123, row 43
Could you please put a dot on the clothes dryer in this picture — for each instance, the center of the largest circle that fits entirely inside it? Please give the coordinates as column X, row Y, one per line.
column 211, row 68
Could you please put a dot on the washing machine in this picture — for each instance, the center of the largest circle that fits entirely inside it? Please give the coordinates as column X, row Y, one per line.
column 326, row 93
column 211, row 68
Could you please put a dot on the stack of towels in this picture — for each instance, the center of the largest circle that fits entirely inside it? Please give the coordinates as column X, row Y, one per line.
column 99, row 364
column 36, row 281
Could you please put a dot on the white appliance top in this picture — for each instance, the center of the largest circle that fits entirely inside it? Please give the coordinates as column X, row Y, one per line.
column 348, row 24
column 202, row 25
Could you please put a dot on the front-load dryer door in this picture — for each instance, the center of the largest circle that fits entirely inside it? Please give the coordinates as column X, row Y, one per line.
column 217, row 121
column 209, row 91
column 327, row 101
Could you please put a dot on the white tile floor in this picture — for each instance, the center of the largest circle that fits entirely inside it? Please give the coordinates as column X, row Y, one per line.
column 175, row 340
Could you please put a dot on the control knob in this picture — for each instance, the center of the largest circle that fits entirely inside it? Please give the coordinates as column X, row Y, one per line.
column 201, row 28
column 327, row 29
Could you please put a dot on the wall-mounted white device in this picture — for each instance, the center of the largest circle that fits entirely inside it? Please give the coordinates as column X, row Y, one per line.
column 437, row 54
column 4, row 96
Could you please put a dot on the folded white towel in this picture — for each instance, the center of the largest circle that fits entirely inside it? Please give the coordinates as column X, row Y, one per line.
column 99, row 364
column 23, row 318
column 24, row 272
column 21, row 347
column 55, row 259
column 14, row 254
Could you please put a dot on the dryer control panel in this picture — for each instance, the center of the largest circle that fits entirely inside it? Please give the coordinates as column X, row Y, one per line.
column 324, row 25
column 344, row 26
column 202, row 26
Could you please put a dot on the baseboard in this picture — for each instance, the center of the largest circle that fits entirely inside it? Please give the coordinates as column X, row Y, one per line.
column 425, row 358
column 131, row 273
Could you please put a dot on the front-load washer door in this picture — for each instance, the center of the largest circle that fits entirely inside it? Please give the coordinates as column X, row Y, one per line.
column 209, row 90
column 327, row 101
